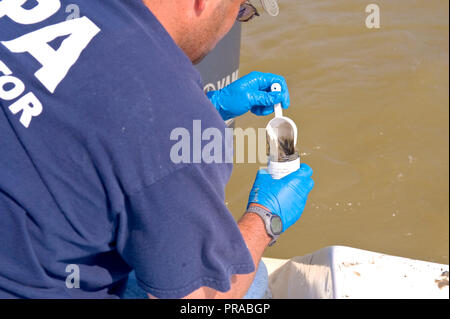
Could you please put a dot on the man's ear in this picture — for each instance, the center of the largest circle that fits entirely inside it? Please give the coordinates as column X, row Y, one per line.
column 199, row 6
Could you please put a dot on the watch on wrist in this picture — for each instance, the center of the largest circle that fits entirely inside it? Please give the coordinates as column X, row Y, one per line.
column 273, row 223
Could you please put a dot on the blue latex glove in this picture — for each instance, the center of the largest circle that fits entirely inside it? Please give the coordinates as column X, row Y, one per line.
column 251, row 92
column 285, row 197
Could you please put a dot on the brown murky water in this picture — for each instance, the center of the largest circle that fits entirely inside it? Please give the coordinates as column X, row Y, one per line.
column 372, row 107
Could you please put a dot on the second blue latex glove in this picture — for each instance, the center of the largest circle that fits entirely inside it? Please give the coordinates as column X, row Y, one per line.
column 284, row 197
column 250, row 93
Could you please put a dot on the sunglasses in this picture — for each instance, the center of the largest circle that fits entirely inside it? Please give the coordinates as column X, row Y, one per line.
column 247, row 12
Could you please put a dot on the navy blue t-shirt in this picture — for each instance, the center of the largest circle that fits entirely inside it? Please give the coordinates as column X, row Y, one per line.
column 88, row 188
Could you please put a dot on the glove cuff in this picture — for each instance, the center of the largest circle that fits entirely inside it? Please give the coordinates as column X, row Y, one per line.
column 214, row 96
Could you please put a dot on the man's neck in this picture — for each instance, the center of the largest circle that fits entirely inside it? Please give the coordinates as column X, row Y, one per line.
column 168, row 21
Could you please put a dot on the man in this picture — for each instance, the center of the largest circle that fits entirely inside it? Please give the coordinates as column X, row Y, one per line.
column 88, row 190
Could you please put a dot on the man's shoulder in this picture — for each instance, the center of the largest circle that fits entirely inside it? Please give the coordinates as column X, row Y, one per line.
column 119, row 98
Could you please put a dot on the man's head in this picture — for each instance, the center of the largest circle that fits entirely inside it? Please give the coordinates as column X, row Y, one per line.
column 196, row 25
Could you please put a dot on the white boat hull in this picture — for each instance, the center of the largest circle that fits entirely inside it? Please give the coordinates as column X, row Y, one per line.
column 339, row 272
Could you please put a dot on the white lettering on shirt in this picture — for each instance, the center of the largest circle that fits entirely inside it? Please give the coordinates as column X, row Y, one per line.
column 14, row 10
column 55, row 64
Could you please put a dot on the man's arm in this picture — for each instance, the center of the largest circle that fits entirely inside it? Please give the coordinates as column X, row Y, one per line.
column 255, row 236
column 286, row 198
